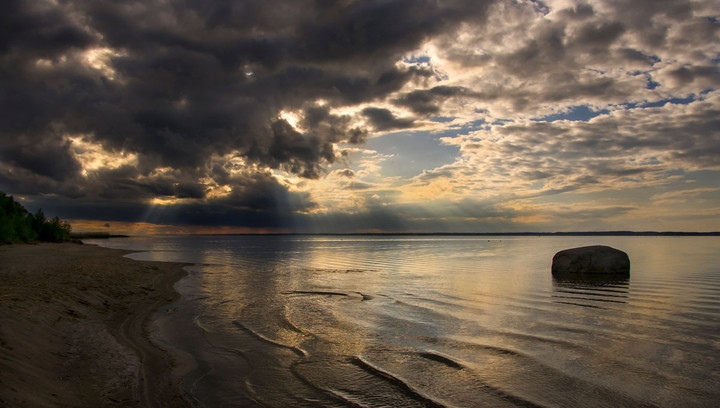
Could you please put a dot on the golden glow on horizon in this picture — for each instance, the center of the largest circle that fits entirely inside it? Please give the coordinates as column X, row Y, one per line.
column 144, row 228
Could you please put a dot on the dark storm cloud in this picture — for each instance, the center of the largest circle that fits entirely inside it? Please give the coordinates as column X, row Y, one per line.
column 426, row 101
column 261, row 191
column 190, row 190
column 190, row 79
column 257, row 200
column 208, row 104
column 199, row 213
column 38, row 29
column 182, row 82
column 381, row 29
column 44, row 156
column 383, row 119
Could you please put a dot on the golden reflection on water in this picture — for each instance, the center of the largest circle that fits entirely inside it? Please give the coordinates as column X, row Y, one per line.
column 464, row 321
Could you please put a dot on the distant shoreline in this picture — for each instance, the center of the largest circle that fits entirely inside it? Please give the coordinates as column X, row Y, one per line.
column 478, row 234
column 95, row 235
column 523, row 234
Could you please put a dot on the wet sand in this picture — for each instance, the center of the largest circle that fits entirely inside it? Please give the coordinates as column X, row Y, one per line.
column 73, row 328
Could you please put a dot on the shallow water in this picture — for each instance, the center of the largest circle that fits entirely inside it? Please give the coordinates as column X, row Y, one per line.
column 455, row 321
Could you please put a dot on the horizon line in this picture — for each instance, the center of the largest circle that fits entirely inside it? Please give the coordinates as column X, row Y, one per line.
column 524, row 233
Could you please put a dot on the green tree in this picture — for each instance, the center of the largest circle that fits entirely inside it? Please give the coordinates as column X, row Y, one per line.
column 17, row 225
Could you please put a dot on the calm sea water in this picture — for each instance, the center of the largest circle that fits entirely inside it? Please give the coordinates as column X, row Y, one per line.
column 369, row 321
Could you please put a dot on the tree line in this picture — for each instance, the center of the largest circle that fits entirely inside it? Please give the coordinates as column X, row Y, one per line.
column 18, row 225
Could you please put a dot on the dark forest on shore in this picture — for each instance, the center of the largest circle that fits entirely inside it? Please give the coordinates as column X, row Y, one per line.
column 19, row 225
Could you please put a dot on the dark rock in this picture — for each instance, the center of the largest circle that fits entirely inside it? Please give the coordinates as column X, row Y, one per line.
column 591, row 260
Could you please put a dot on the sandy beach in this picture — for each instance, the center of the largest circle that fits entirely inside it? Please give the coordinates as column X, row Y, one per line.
column 73, row 328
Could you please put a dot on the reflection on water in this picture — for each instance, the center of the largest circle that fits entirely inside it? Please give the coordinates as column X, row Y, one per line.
column 591, row 291
column 439, row 321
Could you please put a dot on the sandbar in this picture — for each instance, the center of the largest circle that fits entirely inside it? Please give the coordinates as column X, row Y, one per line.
column 74, row 323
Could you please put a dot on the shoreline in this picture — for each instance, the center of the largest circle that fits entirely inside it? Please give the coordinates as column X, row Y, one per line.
column 74, row 328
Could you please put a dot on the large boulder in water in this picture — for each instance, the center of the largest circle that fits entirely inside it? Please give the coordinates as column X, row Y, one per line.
column 597, row 260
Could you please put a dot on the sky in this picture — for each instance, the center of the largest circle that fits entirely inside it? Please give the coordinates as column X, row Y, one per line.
column 323, row 116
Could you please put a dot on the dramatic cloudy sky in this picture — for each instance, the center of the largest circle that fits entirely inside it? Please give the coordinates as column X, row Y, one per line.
column 363, row 115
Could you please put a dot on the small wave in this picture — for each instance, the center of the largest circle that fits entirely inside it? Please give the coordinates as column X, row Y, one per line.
column 292, row 327
column 347, row 398
column 315, row 292
column 501, row 350
column 435, row 356
column 411, row 392
column 349, row 270
column 365, row 297
column 513, row 394
column 620, row 289
column 459, row 341
column 419, row 396
column 327, row 293
column 330, row 393
column 199, row 323
column 579, row 304
column 590, row 292
column 589, row 299
column 251, row 392
column 297, row 350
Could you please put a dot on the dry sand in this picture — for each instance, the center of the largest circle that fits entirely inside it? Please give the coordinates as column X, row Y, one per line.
column 73, row 328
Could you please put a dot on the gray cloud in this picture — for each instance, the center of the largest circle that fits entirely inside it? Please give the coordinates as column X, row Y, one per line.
column 427, row 101
column 640, row 144
column 347, row 173
column 209, row 96
column 44, row 156
column 383, row 119
column 257, row 200
column 206, row 78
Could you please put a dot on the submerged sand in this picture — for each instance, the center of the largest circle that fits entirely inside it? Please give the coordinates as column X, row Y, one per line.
column 74, row 328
